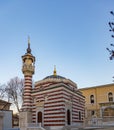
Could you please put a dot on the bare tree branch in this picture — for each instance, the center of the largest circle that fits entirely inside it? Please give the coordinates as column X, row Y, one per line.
column 14, row 90
column 111, row 26
column 2, row 91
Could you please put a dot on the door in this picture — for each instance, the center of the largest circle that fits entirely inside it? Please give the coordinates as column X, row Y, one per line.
column 68, row 117
column 39, row 117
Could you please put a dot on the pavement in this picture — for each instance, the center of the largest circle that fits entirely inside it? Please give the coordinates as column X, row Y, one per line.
column 103, row 128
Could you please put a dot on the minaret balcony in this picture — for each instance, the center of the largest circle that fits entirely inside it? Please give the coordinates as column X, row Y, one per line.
column 28, row 69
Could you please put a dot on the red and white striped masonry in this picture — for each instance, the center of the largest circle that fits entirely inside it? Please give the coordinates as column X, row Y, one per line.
column 27, row 99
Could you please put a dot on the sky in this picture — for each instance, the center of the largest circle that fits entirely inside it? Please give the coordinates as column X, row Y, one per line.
column 71, row 34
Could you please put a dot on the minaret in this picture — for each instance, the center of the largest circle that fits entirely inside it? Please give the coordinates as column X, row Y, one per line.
column 28, row 70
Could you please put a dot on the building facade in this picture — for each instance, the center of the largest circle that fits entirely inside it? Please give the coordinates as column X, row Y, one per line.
column 57, row 102
column 99, row 101
column 53, row 102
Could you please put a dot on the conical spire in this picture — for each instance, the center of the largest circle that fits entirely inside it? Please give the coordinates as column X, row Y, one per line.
column 28, row 49
column 54, row 72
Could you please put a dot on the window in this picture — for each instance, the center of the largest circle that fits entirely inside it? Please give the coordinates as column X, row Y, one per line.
column 68, row 117
column 92, row 99
column 79, row 115
column 110, row 97
column 92, row 113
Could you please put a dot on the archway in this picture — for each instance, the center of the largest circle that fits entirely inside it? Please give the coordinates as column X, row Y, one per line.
column 109, row 111
column 39, row 117
column 68, row 117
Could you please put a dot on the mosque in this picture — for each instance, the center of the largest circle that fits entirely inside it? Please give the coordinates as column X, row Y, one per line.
column 54, row 102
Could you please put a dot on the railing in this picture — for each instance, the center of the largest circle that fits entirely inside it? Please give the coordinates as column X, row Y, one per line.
column 94, row 122
column 107, row 119
column 99, row 122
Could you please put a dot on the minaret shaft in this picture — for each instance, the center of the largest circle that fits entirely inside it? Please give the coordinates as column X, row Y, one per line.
column 27, row 93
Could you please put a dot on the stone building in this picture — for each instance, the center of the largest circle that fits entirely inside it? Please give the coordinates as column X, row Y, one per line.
column 54, row 102
column 5, row 115
column 99, row 101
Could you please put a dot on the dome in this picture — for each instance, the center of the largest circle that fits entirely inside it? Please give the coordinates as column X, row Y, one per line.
column 55, row 77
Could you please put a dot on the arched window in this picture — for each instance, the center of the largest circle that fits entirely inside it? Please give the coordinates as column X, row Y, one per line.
column 79, row 115
column 92, row 113
column 92, row 99
column 110, row 97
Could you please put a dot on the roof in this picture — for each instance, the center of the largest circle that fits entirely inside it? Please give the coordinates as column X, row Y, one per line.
column 99, row 86
column 55, row 76
column 4, row 105
column 2, row 101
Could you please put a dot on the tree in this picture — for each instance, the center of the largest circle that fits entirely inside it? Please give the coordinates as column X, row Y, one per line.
column 2, row 92
column 111, row 26
column 14, row 90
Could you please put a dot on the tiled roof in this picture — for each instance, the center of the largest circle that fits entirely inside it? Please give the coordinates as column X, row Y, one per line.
column 55, row 76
